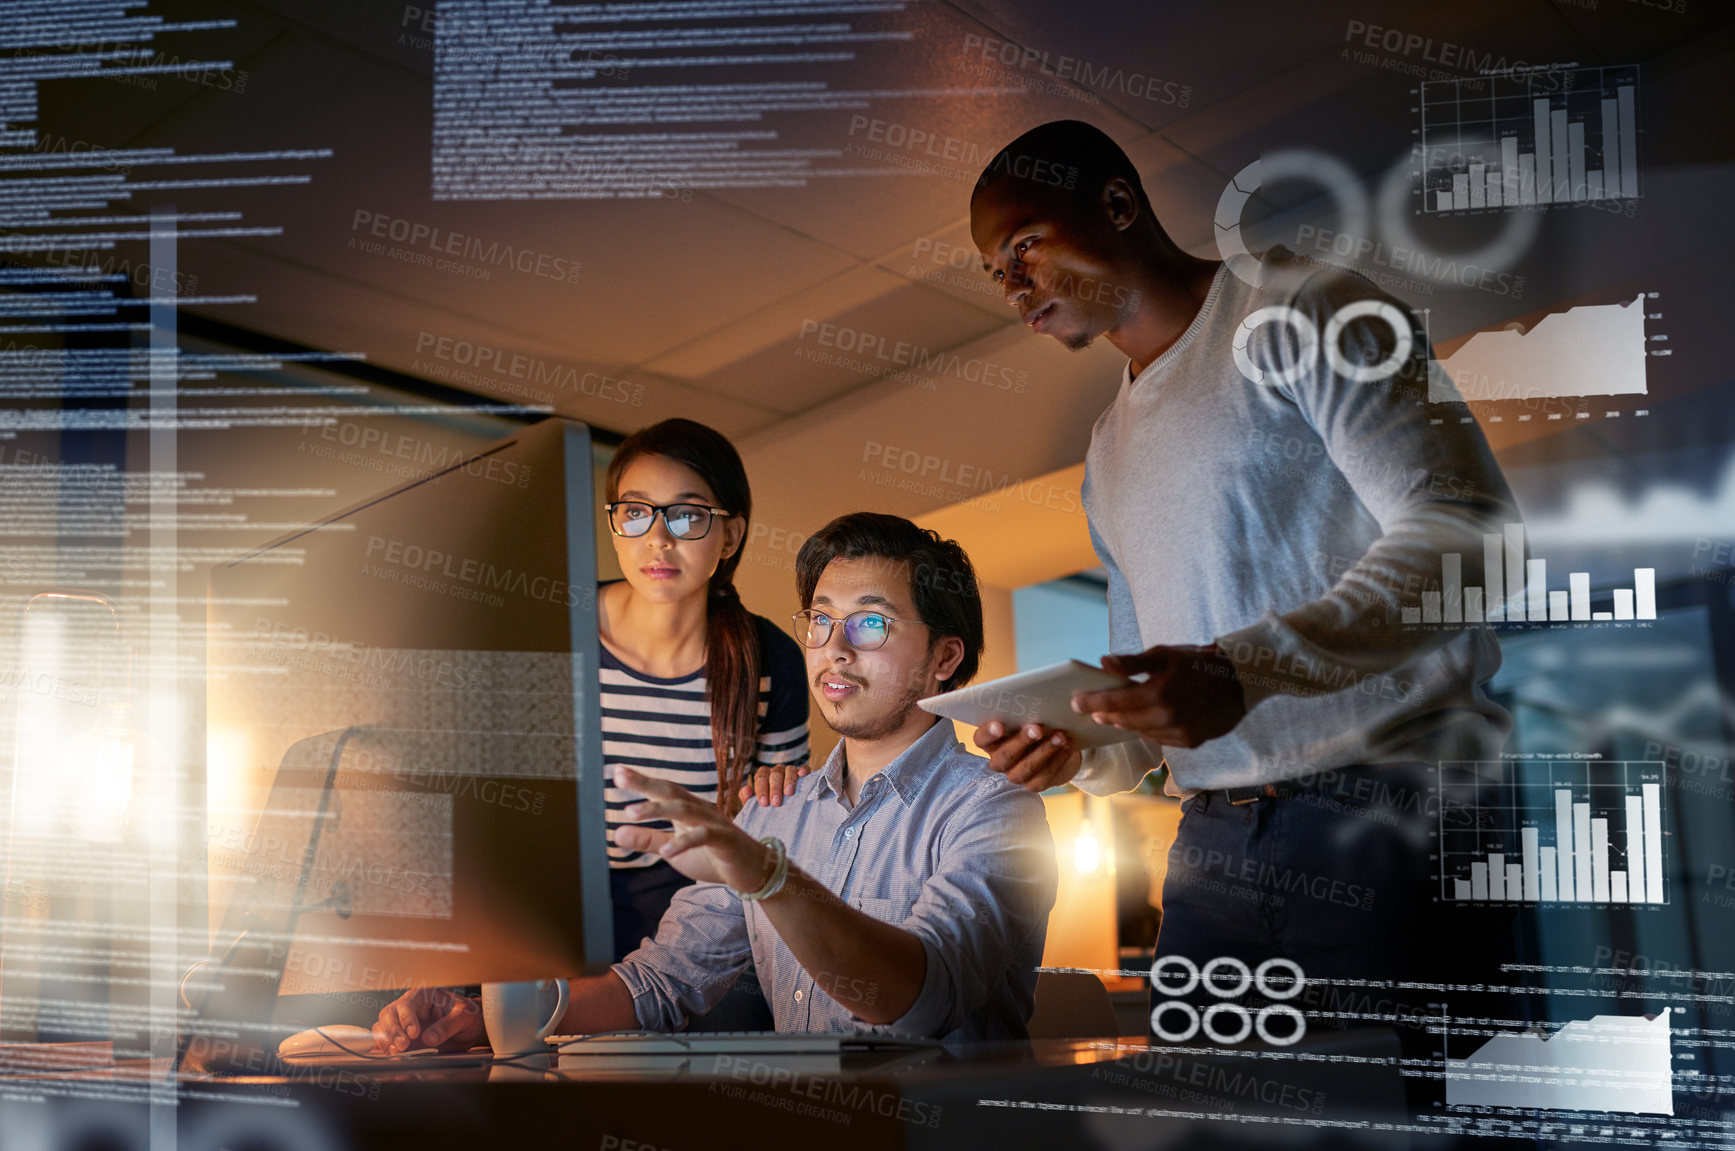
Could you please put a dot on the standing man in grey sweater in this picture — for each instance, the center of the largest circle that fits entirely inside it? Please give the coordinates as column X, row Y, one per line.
column 1264, row 497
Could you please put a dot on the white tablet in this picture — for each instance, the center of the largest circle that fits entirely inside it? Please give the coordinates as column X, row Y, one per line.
column 1041, row 696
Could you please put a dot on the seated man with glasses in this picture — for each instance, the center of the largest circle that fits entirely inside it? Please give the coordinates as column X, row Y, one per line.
column 905, row 888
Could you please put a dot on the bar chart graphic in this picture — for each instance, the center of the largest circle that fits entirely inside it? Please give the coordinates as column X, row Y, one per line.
column 1514, row 589
column 1591, row 350
column 1560, row 831
column 1530, row 139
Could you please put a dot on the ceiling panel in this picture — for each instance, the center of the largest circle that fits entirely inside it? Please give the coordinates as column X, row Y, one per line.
column 407, row 335
column 1212, row 50
column 611, row 281
column 826, row 347
column 947, row 261
column 709, row 303
column 906, row 159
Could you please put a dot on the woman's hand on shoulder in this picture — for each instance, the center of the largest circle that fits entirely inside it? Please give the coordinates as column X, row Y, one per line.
column 771, row 783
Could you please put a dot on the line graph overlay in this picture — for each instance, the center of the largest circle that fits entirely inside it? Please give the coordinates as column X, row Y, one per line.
column 1605, row 1063
column 1590, row 350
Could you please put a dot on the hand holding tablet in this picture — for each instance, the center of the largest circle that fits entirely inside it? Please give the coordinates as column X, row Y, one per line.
column 1042, row 697
column 1171, row 695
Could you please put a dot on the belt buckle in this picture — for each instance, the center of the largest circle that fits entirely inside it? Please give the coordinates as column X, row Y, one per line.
column 1249, row 794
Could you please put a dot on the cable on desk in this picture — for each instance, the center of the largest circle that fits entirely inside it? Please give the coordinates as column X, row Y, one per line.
column 369, row 1055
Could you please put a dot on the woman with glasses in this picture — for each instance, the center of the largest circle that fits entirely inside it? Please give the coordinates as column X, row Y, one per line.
column 696, row 689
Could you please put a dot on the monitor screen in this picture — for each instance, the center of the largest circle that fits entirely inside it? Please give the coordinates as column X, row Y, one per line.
column 415, row 675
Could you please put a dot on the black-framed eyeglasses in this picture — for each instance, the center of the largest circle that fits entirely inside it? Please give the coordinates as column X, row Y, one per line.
column 863, row 630
column 633, row 518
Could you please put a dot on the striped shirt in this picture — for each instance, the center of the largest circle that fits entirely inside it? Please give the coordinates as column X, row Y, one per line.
column 662, row 727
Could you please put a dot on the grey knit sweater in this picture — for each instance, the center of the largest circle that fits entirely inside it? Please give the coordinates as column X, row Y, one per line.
column 1289, row 521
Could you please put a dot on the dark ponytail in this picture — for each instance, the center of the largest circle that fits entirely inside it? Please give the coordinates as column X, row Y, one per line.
column 732, row 655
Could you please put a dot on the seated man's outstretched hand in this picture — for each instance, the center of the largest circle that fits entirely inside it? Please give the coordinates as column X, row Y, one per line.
column 706, row 845
column 429, row 1017
column 1191, row 694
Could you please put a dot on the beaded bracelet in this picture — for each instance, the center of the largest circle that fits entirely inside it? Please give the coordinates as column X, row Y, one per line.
column 779, row 871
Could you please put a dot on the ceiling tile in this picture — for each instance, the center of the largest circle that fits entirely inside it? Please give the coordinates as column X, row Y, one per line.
column 408, row 336
column 904, row 160
column 898, row 332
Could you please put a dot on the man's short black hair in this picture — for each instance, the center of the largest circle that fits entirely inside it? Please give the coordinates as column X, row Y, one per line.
column 1064, row 155
column 942, row 579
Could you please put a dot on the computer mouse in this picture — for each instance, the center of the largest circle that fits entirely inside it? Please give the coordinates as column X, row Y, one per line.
column 332, row 1039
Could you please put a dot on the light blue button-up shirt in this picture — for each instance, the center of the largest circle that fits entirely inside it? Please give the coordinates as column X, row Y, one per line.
column 937, row 844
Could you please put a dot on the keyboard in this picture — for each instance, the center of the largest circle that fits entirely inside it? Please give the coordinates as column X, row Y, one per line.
column 736, row 1043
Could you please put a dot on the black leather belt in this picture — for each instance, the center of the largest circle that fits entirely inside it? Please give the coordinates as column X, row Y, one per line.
column 1400, row 775
column 1257, row 792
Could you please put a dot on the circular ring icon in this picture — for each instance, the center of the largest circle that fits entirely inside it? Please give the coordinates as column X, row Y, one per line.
column 1238, row 1012
column 1262, row 977
column 1244, row 977
column 1265, row 1013
column 1330, row 173
column 1230, row 245
column 1518, row 231
column 1186, row 1009
column 1180, row 962
column 1394, row 318
column 1306, row 335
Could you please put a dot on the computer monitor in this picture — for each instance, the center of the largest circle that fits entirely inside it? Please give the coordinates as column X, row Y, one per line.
column 404, row 759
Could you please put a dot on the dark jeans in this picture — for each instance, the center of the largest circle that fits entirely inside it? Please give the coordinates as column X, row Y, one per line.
column 1336, row 878
column 641, row 898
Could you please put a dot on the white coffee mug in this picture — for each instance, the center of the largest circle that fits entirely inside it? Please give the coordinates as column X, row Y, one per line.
column 519, row 1016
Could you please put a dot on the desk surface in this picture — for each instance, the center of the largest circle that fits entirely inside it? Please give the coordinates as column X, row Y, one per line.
column 895, row 1064
column 997, row 1097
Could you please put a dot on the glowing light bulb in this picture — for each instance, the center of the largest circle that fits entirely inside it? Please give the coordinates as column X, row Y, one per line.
column 1086, row 852
column 100, row 783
